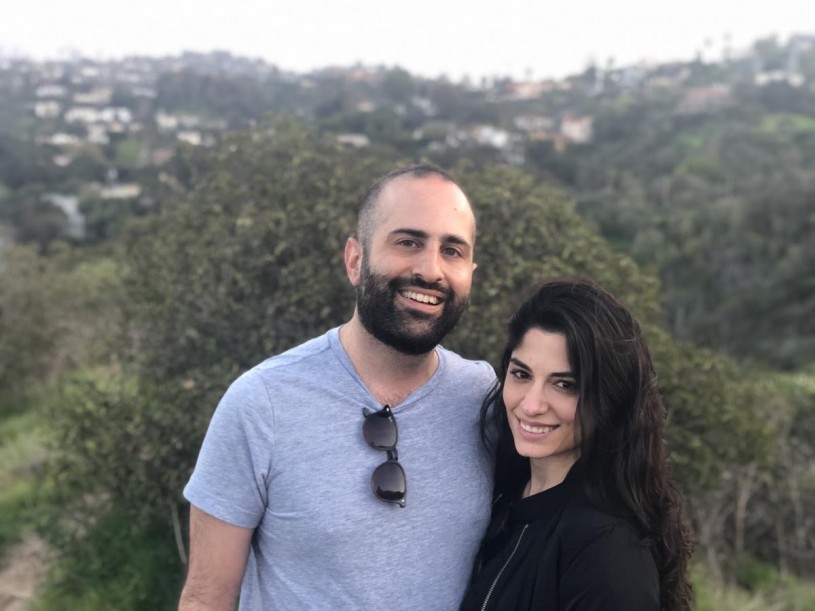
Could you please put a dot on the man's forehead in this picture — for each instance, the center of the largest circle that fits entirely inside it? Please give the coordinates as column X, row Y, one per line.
column 432, row 196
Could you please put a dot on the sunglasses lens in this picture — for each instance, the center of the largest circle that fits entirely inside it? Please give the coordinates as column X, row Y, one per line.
column 389, row 483
column 379, row 430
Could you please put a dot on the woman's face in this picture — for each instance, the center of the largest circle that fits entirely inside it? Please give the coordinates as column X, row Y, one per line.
column 541, row 394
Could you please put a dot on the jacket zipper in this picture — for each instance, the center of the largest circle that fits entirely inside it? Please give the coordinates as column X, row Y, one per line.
column 501, row 572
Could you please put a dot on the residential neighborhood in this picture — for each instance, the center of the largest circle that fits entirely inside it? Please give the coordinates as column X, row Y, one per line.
column 103, row 130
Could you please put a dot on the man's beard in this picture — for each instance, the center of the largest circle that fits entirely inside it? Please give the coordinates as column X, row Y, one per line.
column 376, row 305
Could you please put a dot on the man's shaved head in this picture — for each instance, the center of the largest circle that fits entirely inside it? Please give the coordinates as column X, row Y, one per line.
column 367, row 217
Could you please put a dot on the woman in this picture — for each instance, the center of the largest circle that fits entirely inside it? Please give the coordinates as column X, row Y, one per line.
column 586, row 515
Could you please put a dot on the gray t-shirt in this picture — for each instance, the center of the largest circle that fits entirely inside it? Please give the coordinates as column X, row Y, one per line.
column 285, row 455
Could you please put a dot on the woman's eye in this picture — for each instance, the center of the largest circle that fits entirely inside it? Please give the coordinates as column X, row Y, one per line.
column 519, row 374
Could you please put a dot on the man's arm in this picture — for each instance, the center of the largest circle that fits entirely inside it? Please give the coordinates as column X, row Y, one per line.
column 218, row 552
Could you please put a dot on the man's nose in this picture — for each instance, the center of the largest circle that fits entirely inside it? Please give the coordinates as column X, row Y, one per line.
column 428, row 266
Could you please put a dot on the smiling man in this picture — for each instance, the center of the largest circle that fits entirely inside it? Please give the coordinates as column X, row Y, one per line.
column 347, row 473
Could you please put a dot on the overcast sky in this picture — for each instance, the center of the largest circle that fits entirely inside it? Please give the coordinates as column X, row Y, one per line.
column 429, row 37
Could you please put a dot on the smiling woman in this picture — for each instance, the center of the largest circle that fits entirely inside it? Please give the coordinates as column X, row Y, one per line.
column 540, row 395
column 585, row 513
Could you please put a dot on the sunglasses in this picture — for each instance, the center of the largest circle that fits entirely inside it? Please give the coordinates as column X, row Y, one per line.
column 388, row 479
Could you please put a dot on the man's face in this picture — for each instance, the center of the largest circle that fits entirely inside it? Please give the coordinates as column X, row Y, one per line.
column 415, row 275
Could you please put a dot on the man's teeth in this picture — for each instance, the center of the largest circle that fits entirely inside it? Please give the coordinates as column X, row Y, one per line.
column 537, row 429
column 421, row 297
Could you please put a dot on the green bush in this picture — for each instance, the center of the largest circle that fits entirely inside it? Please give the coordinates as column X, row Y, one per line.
column 754, row 575
column 117, row 564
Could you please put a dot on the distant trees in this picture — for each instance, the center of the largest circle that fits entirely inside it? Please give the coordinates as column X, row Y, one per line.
column 721, row 205
column 56, row 314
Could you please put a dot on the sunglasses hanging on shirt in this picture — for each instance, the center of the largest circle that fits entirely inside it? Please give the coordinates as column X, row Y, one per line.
column 388, row 479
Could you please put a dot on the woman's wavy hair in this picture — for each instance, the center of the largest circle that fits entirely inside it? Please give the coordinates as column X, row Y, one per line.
column 620, row 419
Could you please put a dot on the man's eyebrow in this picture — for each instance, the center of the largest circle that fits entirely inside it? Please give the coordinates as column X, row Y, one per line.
column 423, row 235
column 416, row 233
column 454, row 239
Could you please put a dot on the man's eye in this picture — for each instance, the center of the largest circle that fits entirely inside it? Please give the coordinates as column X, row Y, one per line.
column 451, row 252
column 409, row 243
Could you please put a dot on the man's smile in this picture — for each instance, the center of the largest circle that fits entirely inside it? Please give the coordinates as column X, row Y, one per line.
column 421, row 297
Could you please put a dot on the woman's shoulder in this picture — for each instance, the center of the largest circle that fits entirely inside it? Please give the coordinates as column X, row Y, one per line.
column 583, row 524
column 604, row 559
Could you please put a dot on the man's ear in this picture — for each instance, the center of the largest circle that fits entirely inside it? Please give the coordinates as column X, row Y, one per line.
column 353, row 260
column 475, row 266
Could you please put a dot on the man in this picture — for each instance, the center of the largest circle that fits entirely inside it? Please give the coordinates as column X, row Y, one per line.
column 308, row 493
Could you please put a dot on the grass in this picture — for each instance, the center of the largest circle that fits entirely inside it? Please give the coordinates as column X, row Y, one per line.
column 787, row 123
column 116, row 565
column 779, row 594
column 22, row 493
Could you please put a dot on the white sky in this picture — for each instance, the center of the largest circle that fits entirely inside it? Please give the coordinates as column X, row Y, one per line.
column 427, row 37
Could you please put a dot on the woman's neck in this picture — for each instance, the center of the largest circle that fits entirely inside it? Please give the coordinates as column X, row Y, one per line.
column 548, row 472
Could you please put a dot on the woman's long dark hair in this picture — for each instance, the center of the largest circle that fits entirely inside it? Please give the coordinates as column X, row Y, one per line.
column 620, row 418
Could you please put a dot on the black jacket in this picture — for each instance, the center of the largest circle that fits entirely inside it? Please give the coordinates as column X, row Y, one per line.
column 553, row 551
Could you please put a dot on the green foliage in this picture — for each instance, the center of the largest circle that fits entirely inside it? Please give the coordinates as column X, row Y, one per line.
column 398, row 85
column 715, row 414
column 754, row 575
column 55, row 313
column 117, row 564
column 118, row 439
column 720, row 203
column 788, row 123
column 16, row 516
column 27, row 322
column 37, row 220
column 777, row 593
column 129, row 154
column 24, row 498
column 105, row 218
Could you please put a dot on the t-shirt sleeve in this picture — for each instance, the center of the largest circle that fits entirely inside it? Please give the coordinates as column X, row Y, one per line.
column 235, row 461
column 613, row 571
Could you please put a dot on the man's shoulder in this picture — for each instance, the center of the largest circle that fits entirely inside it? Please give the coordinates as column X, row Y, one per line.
column 462, row 365
column 313, row 349
column 297, row 361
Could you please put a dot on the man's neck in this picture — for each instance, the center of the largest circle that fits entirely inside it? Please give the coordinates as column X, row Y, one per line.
column 391, row 376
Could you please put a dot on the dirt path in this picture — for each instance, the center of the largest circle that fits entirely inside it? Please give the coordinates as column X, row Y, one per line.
column 22, row 569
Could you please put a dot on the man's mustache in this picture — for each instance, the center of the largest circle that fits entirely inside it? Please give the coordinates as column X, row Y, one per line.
column 398, row 284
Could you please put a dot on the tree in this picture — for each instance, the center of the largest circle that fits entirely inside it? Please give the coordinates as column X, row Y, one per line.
column 398, row 86
column 56, row 313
